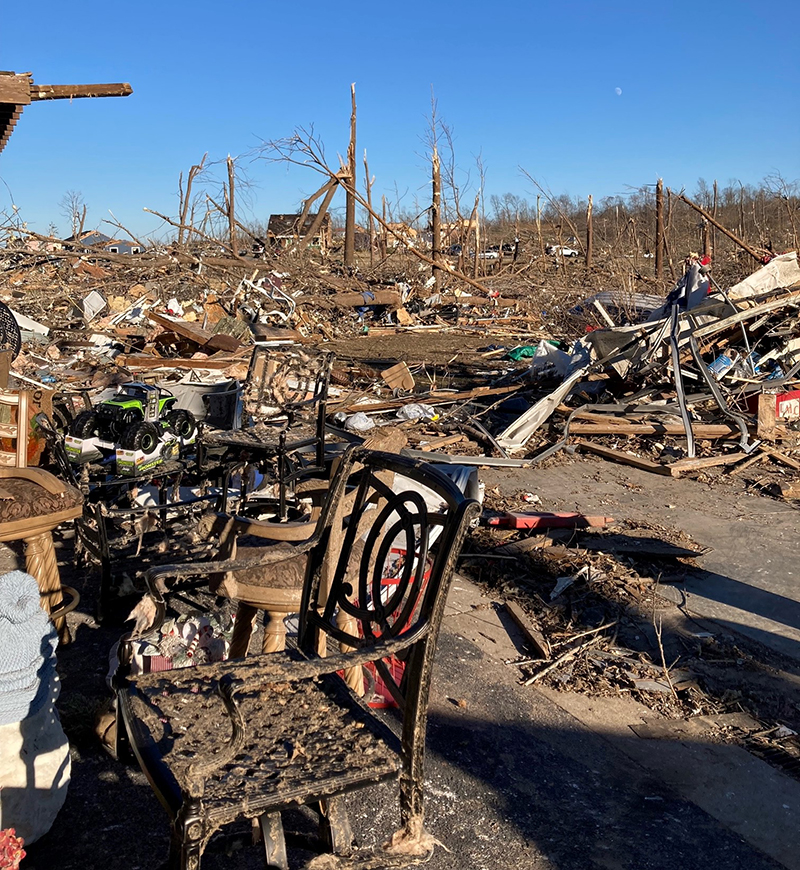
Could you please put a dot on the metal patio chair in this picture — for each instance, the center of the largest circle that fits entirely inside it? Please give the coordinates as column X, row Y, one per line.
column 251, row 737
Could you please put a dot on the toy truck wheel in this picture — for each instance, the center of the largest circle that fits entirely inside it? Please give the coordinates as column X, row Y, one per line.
column 140, row 436
column 84, row 425
column 181, row 423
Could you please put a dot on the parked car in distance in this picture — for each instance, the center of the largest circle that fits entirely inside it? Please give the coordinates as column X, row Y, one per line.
column 563, row 250
column 494, row 252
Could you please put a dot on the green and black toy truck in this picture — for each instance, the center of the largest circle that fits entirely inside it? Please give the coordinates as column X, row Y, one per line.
column 136, row 419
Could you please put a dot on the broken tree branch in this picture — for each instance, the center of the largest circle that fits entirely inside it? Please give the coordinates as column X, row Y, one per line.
column 756, row 254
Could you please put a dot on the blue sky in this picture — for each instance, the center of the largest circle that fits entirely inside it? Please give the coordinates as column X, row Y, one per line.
column 708, row 89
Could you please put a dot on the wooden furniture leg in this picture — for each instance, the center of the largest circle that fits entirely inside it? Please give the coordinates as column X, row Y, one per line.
column 40, row 562
column 354, row 677
column 243, row 628
column 275, row 632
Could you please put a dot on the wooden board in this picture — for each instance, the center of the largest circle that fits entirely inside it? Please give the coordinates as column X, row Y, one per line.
column 433, row 399
column 624, row 458
column 532, row 634
column 157, row 362
column 701, row 430
column 686, row 465
column 15, row 89
column 194, row 333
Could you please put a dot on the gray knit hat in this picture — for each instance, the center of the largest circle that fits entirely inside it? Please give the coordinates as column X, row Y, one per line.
column 27, row 649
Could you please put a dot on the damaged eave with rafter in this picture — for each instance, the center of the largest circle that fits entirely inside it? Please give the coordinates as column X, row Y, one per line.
column 19, row 90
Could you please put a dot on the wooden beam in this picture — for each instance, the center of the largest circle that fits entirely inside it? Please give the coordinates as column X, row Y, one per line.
column 196, row 334
column 155, row 362
column 624, row 458
column 433, row 399
column 15, row 90
column 792, row 298
column 701, row 430
column 781, row 457
column 69, row 92
column 533, row 636
column 686, row 465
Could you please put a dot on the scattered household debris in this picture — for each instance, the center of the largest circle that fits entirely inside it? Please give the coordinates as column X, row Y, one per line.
column 221, row 366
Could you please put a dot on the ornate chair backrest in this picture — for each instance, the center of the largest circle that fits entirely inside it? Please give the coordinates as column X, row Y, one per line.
column 284, row 382
column 14, row 427
column 404, row 525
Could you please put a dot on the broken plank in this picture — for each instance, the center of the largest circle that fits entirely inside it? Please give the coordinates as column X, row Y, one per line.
column 444, row 441
column 685, row 465
column 432, row 398
column 787, row 490
column 759, row 457
column 155, row 362
column 70, row 92
column 624, row 458
column 701, row 430
column 525, row 545
column 532, row 634
column 451, row 459
column 782, row 458
column 194, row 333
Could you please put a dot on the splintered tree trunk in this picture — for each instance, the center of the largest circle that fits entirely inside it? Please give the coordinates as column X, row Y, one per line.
column 659, row 252
column 350, row 203
column 475, row 259
column 754, row 253
column 384, row 241
column 589, row 234
column 706, row 238
column 714, row 229
column 371, row 223
column 436, row 217
column 185, row 198
column 474, row 219
column 231, row 211
column 329, row 189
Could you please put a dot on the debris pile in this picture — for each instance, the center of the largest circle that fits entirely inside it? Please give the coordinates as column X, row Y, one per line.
column 201, row 354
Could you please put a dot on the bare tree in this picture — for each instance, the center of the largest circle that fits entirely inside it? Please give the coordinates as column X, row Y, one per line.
column 72, row 206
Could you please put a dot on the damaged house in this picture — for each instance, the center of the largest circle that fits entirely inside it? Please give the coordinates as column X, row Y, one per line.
column 284, row 229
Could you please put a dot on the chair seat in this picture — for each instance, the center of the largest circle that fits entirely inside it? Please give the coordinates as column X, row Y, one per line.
column 261, row 584
column 305, row 740
column 260, row 436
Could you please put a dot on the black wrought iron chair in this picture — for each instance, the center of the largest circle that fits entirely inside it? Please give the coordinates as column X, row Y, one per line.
column 251, row 737
column 284, row 405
